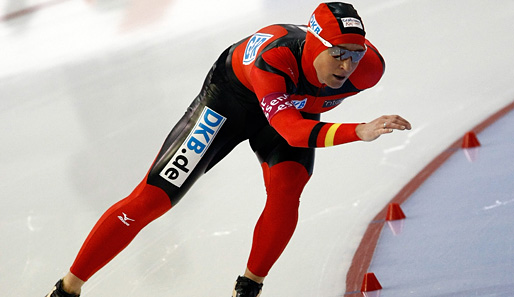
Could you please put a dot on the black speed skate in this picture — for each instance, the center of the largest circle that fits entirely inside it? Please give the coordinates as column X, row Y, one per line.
column 58, row 291
column 246, row 287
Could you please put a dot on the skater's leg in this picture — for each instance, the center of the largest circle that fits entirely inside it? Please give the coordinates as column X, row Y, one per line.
column 211, row 127
column 114, row 231
column 275, row 227
column 178, row 157
column 286, row 171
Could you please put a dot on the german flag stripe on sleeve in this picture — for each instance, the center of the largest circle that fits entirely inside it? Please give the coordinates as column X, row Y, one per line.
column 330, row 134
column 313, row 138
column 329, row 137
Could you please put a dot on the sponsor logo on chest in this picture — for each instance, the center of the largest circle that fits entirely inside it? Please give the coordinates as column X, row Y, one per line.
column 299, row 104
column 253, row 45
column 193, row 148
column 332, row 103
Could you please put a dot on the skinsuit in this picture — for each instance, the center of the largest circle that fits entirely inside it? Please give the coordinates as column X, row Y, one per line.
column 263, row 89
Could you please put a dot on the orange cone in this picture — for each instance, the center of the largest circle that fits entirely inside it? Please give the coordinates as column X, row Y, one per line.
column 470, row 140
column 394, row 212
column 370, row 283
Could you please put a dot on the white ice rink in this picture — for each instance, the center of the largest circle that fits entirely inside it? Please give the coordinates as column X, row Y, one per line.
column 90, row 89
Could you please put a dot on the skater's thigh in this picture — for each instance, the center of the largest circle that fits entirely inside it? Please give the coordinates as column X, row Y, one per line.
column 203, row 136
column 272, row 148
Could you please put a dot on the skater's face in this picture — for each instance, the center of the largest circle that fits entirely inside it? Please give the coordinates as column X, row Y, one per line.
column 333, row 67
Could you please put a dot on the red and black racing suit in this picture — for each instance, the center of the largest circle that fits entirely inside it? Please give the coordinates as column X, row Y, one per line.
column 263, row 89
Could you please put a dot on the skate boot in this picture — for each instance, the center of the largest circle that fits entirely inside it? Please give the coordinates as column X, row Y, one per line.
column 246, row 287
column 58, row 291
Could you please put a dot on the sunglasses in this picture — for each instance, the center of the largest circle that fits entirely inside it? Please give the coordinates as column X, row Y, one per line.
column 340, row 53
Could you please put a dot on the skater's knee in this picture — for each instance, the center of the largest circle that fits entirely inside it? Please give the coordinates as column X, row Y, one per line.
column 147, row 202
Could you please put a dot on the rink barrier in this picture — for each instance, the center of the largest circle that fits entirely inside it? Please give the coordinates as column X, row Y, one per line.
column 364, row 253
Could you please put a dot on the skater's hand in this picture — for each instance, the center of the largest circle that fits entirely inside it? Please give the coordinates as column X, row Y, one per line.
column 383, row 125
